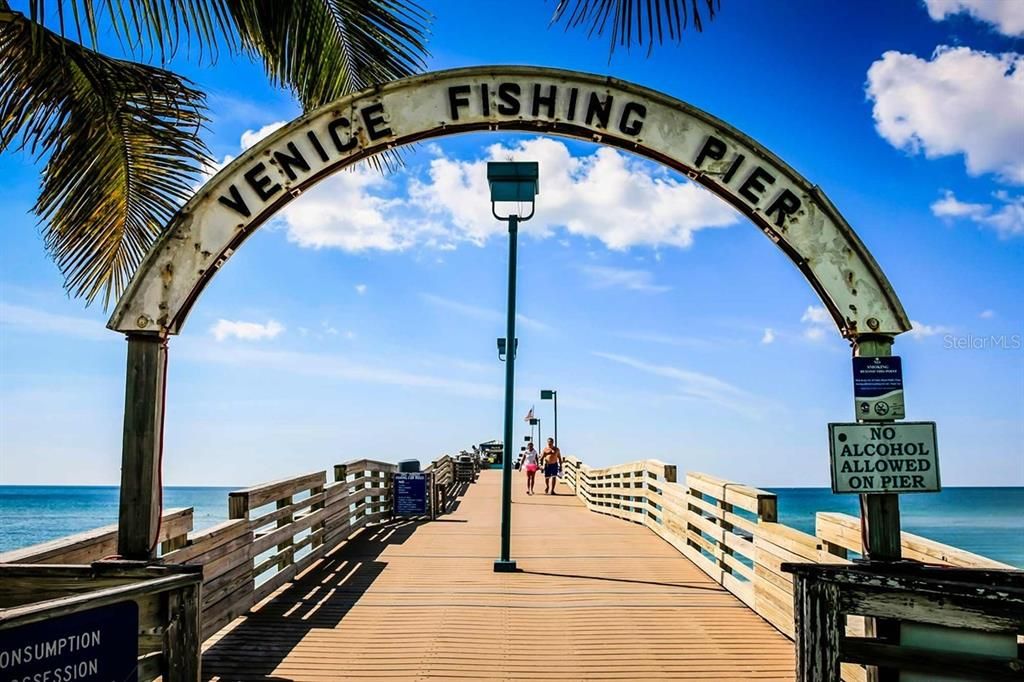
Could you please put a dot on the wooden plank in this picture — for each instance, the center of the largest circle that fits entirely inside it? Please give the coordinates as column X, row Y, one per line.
column 287, row 510
column 796, row 543
column 283, row 534
column 761, row 502
column 207, row 540
column 265, row 493
column 946, row 664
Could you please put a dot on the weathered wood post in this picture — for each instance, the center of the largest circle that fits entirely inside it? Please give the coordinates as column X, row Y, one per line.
column 142, row 446
column 879, row 524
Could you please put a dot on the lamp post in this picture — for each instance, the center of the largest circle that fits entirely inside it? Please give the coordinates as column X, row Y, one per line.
column 540, row 439
column 510, row 181
column 549, row 394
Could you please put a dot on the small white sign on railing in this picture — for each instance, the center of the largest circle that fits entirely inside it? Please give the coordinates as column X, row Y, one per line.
column 884, row 458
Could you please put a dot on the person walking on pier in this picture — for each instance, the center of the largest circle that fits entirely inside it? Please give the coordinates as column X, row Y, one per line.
column 552, row 458
column 531, row 463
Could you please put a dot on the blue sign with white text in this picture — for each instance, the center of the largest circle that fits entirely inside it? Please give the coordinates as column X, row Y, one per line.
column 878, row 388
column 98, row 645
column 410, row 494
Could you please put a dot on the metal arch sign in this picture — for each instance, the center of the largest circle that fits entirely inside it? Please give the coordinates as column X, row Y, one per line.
column 790, row 211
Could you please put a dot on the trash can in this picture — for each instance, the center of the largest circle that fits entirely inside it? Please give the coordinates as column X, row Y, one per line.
column 409, row 466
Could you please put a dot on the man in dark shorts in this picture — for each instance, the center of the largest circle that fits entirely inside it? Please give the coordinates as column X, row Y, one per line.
column 552, row 458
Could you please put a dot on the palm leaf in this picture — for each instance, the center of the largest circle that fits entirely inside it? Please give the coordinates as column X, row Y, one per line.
column 142, row 26
column 324, row 49
column 121, row 145
column 636, row 22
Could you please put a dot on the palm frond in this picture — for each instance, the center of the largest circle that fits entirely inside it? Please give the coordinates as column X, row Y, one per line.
column 324, row 49
column 121, row 143
column 142, row 26
column 635, row 22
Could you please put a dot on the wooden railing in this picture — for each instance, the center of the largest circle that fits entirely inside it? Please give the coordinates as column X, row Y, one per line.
column 954, row 623
column 443, row 471
column 840, row 534
column 276, row 530
column 731, row 532
column 93, row 545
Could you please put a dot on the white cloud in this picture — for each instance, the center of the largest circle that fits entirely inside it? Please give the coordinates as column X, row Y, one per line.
column 346, row 211
column 769, row 336
column 1006, row 15
column 607, row 277
column 360, row 289
column 608, row 195
column 950, row 207
column 920, row 330
column 246, row 331
column 479, row 313
column 251, row 137
column 817, row 321
column 961, row 101
column 815, row 314
column 696, row 385
column 987, row 314
column 1007, row 219
column 42, row 322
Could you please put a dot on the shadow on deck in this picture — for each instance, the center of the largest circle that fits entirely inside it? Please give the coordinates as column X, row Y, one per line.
column 595, row 598
column 256, row 645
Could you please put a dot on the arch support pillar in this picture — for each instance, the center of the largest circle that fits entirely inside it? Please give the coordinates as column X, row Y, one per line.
column 142, row 446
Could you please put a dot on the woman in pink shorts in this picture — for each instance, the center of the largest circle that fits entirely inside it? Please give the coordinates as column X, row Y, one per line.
column 531, row 463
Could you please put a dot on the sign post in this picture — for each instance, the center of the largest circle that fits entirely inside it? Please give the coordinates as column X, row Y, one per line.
column 879, row 512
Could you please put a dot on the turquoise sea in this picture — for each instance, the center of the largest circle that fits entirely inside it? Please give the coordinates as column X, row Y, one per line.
column 988, row 521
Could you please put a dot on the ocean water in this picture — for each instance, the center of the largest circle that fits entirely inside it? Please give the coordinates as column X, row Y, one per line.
column 31, row 514
column 987, row 521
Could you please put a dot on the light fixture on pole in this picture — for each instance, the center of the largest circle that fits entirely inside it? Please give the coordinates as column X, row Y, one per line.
column 510, row 181
column 536, row 422
column 549, row 394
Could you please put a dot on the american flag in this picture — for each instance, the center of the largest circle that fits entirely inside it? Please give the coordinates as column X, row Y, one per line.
column 529, row 415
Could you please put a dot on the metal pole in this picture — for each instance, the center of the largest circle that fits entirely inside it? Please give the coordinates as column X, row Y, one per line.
column 505, row 564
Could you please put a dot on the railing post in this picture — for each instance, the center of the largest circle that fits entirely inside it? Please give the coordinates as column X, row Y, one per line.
column 181, row 637
column 319, row 527
column 285, row 552
column 818, row 628
column 142, row 446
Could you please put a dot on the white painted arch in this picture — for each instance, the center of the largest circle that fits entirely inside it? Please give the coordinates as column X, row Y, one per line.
column 788, row 209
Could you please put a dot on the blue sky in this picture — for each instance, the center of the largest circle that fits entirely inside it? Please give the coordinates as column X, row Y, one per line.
column 361, row 323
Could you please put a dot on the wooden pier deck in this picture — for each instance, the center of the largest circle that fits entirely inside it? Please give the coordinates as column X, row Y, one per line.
column 596, row 598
